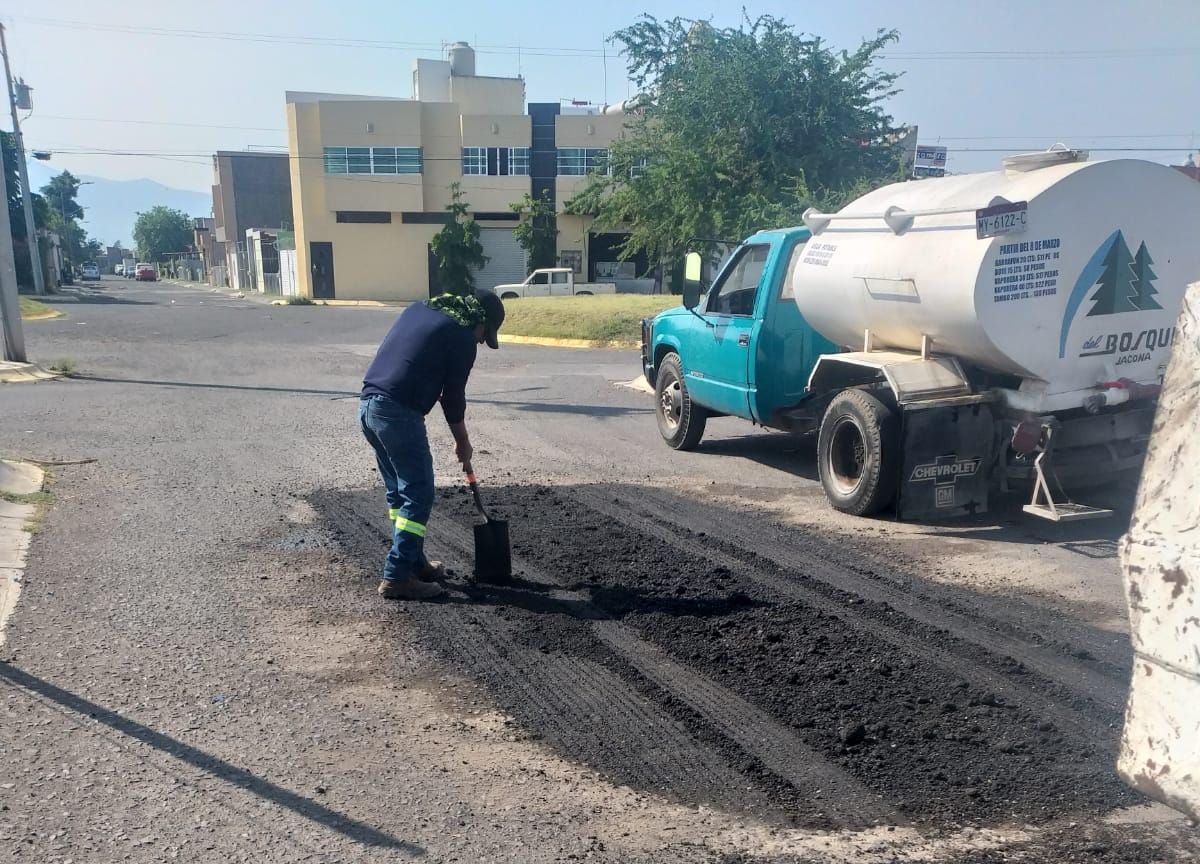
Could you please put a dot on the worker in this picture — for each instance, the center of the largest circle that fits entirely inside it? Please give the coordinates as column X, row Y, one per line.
column 426, row 357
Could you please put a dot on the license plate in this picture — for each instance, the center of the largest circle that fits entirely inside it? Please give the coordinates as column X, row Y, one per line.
column 1001, row 219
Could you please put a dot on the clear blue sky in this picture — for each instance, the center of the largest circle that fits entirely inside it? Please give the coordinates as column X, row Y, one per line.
column 1138, row 86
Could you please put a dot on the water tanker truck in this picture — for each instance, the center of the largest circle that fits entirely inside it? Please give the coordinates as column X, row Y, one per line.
column 949, row 336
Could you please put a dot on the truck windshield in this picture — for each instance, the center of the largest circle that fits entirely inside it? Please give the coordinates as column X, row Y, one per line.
column 735, row 289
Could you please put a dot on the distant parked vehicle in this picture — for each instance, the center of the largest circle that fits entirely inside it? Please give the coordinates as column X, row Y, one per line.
column 119, row 270
column 553, row 282
column 128, row 268
column 146, row 272
column 90, row 270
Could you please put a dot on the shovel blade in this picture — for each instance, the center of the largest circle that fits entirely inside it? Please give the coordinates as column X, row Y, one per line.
column 493, row 558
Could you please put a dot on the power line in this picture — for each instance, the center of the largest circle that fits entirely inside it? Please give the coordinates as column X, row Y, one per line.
column 596, row 53
column 162, row 123
column 83, row 150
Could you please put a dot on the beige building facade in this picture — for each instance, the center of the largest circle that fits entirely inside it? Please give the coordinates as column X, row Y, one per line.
column 371, row 178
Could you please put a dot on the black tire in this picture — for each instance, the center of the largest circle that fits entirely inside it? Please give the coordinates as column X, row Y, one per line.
column 680, row 420
column 858, row 453
column 508, row 295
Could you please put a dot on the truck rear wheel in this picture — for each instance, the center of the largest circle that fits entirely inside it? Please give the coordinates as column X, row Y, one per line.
column 680, row 420
column 858, row 453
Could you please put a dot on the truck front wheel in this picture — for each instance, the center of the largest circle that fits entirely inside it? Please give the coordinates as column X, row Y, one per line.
column 858, row 453
column 680, row 420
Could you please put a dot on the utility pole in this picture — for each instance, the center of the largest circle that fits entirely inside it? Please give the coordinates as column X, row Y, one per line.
column 35, row 259
column 10, row 306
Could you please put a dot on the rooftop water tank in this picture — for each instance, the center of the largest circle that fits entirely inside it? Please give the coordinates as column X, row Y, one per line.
column 462, row 59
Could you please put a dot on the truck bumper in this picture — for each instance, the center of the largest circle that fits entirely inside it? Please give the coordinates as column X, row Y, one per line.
column 1094, row 449
column 647, row 359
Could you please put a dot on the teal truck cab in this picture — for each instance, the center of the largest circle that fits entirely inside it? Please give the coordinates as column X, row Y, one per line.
column 741, row 349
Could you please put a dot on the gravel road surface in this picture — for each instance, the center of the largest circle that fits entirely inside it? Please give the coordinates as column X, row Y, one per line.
column 697, row 661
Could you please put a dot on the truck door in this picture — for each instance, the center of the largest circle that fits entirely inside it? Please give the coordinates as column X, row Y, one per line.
column 537, row 285
column 561, row 284
column 719, row 374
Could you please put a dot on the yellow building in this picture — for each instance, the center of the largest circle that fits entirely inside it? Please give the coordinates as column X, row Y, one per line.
column 371, row 179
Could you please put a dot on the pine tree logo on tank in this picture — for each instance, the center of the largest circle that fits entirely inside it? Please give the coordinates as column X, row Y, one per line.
column 1116, row 281
column 1127, row 282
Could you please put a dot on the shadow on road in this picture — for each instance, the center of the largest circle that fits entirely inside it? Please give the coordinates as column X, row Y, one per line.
column 301, row 806
column 776, row 450
column 341, row 394
column 593, row 601
column 567, row 408
column 91, row 298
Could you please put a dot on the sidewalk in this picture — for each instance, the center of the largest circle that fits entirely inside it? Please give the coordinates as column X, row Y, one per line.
column 16, row 479
column 16, row 373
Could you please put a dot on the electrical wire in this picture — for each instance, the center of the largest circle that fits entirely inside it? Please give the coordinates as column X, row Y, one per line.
column 596, row 53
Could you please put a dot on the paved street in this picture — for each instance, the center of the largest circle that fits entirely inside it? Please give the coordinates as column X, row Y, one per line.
column 698, row 662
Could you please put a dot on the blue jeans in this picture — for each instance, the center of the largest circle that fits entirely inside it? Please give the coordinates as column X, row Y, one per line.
column 397, row 434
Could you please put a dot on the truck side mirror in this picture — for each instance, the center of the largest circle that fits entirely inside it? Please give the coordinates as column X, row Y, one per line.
column 691, row 280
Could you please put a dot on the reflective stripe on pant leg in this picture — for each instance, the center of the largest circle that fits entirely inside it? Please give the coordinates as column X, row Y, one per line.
column 409, row 525
column 393, row 514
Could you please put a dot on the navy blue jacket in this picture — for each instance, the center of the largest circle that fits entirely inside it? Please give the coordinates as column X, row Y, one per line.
column 426, row 356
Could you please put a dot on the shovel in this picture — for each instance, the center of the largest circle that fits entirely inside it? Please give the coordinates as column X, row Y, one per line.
column 493, row 558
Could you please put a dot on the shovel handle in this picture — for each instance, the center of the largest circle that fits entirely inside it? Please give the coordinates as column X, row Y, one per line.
column 474, row 484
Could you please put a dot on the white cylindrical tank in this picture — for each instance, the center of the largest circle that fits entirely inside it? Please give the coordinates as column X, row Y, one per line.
column 1087, row 292
column 462, row 59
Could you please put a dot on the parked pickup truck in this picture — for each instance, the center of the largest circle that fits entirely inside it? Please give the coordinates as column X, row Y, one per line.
column 553, row 282
column 945, row 337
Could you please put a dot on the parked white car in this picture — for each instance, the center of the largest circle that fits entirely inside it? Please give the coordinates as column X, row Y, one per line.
column 553, row 282
column 90, row 271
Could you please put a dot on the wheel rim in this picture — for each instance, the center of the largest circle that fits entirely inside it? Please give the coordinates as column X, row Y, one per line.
column 847, row 455
column 670, row 403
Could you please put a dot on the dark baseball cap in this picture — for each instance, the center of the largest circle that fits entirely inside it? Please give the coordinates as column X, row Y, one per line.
column 493, row 310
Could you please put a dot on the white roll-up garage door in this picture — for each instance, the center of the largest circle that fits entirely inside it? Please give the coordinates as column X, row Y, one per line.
column 506, row 258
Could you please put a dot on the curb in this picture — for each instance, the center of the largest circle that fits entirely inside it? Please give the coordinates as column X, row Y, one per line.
column 15, row 478
column 555, row 342
column 19, row 373
column 43, row 316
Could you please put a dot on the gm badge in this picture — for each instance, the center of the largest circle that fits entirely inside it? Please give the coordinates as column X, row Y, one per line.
column 944, row 471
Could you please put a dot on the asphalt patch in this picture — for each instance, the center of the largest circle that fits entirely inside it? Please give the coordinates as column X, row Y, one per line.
column 939, row 748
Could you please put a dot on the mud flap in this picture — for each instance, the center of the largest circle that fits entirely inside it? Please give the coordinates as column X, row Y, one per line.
column 948, row 447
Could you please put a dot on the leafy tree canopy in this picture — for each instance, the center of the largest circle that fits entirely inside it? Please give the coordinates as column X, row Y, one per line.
column 457, row 248
column 744, row 129
column 537, row 232
column 160, row 231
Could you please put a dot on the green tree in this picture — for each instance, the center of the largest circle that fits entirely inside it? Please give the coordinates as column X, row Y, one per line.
column 1143, row 280
column 160, row 231
column 16, row 212
column 457, row 248
column 537, row 232
column 63, row 215
column 742, row 128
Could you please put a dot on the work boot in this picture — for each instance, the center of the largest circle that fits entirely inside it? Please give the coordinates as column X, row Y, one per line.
column 410, row 589
column 431, row 571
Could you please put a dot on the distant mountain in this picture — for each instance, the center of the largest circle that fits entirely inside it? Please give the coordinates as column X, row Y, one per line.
column 111, row 206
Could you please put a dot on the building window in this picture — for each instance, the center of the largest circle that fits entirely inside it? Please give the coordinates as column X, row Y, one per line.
column 373, row 160
column 638, row 168
column 365, row 217
column 359, row 159
column 474, row 161
column 579, row 161
column 518, row 161
column 495, row 161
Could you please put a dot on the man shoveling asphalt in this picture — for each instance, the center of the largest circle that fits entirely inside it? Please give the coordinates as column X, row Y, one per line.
column 426, row 357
